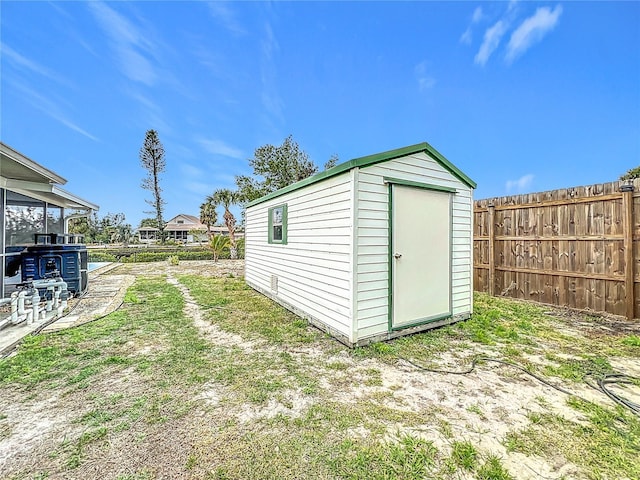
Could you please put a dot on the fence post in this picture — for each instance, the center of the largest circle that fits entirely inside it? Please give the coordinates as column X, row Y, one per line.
column 627, row 227
column 492, row 263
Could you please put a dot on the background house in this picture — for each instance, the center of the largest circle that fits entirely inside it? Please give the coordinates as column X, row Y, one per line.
column 185, row 229
column 32, row 202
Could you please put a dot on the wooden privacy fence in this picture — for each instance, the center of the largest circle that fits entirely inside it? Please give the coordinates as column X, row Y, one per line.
column 576, row 247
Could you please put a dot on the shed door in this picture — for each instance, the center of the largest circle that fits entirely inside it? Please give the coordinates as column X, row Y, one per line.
column 421, row 255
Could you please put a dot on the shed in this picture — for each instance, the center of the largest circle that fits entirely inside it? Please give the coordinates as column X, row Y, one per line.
column 371, row 249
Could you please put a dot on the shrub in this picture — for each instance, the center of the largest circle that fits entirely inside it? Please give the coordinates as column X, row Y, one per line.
column 158, row 254
column 240, row 246
column 98, row 256
column 219, row 245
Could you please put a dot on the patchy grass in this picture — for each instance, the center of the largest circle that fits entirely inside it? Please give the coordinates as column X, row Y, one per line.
column 492, row 469
column 606, row 443
column 464, row 455
column 237, row 308
column 605, row 447
column 143, row 394
column 78, row 361
column 408, row 457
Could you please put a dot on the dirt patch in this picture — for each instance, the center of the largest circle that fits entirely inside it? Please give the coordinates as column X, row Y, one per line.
column 209, row 330
column 204, row 268
column 593, row 324
column 27, row 423
column 291, row 403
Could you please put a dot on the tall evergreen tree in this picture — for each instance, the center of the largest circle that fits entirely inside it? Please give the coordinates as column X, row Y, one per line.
column 152, row 160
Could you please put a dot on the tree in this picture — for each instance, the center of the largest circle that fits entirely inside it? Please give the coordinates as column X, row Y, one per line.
column 631, row 174
column 108, row 229
column 87, row 226
column 332, row 162
column 208, row 215
column 226, row 198
column 278, row 166
column 218, row 244
column 196, row 234
column 149, row 222
column 152, row 159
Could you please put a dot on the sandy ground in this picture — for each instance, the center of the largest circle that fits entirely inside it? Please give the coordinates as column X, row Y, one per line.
column 480, row 407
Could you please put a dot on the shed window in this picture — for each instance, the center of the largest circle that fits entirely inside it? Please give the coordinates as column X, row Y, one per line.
column 278, row 224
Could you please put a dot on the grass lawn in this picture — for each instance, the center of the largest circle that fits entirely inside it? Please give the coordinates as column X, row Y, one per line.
column 201, row 377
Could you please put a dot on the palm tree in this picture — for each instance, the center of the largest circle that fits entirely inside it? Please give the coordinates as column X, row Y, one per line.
column 208, row 214
column 226, row 198
column 218, row 244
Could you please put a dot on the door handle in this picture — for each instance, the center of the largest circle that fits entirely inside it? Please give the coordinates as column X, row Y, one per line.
column 397, row 255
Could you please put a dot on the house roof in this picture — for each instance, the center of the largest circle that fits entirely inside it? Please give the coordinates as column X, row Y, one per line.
column 191, row 218
column 367, row 161
column 20, row 174
column 190, row 222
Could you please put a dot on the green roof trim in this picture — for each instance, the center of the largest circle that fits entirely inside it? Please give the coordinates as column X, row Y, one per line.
column 367, row 161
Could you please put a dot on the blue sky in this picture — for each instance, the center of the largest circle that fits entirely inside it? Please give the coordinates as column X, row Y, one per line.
column 521, row 96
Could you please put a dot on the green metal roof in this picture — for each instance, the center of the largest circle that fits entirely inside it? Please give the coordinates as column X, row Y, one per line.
column 367, row 161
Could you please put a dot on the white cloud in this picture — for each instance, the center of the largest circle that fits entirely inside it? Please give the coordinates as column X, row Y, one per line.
column 477, row 15
column 131, row 46
column 218, row 147
column 425, row 81
column 199, row 188
column 136, row 66
column 271, row 100
column 151, row 114
column 532, row 30
column 491, row 40
column 226, row 16
column 23, row 62
column 191, row 171
column 520, row 185
column 466, row 37
column 50, row 108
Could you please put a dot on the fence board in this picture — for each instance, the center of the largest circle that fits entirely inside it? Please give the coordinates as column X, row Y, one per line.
column 574, row 247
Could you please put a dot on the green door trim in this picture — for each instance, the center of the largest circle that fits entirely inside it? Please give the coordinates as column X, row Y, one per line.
column 424, row 186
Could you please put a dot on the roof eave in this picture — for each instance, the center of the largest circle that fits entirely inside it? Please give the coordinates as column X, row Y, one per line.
column 368, row 161
column 31, row 165
column 73, row 201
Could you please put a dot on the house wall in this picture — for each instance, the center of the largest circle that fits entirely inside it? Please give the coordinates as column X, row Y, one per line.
column 372, row 238
column 314, row 269
column 2, row 252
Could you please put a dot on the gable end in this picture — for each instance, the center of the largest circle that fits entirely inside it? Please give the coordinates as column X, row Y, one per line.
column 367, row 161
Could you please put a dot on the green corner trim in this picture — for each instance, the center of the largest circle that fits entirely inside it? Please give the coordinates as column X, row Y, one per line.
column 367, row 161
column 426, row 186
column 390, row 272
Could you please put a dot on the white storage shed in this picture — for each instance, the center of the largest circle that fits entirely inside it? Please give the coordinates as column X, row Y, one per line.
column 371, row 249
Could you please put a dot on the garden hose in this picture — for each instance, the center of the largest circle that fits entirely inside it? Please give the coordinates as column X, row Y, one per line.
column 601, row 383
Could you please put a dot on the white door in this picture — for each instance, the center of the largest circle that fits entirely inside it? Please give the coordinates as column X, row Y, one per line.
column 421, row 255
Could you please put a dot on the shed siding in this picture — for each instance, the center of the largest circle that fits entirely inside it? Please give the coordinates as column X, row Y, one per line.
column 314, row 268
column 372, row 263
